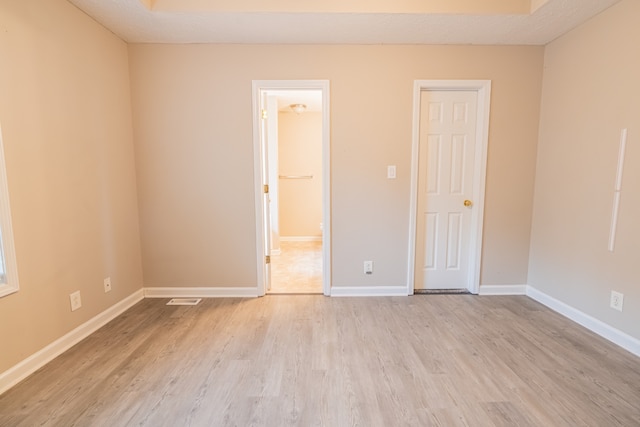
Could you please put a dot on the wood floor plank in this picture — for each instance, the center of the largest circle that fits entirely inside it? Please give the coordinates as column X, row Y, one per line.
column 307, row 360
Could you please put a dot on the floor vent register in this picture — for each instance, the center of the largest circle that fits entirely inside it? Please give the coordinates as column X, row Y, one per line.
column 184, row 301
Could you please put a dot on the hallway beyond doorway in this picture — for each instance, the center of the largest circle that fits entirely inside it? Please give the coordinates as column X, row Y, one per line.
column 297, row 269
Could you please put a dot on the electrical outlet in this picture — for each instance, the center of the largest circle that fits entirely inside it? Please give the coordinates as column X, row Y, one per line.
column 368, row 267
column 76, row 301
column 617, row 299
column 107, row 285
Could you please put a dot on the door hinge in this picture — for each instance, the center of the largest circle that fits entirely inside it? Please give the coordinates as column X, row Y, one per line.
column 266, row 189
column 264, row 114
column 267, row 259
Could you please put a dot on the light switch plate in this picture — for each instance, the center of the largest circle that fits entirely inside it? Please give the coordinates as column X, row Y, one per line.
column 391, row 171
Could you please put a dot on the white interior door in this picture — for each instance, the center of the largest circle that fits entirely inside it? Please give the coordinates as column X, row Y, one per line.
column 266, row 202
column 447, row 150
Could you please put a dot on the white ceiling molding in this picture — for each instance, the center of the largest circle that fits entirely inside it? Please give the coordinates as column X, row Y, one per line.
column 132, row 21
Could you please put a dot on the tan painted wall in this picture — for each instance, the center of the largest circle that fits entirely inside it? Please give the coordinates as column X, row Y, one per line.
column 537, row 4
column 590, row 93
column 194, row 154
column 300, row 153
column 66, row 118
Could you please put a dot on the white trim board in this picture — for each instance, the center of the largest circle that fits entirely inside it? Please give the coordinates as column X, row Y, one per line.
column 7, row 246
column 37, row 360
column 369, row 291
column 606, row 331
column 194, row 292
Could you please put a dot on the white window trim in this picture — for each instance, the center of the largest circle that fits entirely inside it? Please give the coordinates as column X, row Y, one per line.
column 11, row 283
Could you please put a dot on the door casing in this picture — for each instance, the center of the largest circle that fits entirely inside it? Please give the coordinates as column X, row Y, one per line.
column 258, row 86
column 483, row 88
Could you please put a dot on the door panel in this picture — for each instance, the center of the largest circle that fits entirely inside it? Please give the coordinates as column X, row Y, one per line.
column 445, row 180
column 430, row 237
column 433, row 167
column 454, row 243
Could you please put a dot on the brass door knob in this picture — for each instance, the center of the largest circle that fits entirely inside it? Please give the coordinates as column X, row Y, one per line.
column 468, row 203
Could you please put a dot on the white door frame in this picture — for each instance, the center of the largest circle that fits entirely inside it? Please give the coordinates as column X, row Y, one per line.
column 257, row 87
column 483, row 88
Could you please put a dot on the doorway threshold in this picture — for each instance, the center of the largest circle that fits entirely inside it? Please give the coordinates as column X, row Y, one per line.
column 441, row 292
column 292, row 293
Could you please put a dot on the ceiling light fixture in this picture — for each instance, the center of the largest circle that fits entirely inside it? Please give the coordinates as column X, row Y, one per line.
column 298, row 108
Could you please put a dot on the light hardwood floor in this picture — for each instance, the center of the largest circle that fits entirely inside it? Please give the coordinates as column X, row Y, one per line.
column 440, row 360
column 297, row 269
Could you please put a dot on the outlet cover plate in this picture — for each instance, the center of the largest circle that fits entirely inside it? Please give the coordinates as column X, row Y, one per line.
column 368, row 267
column 617, row 300
column 107, row 285
column 75, row 300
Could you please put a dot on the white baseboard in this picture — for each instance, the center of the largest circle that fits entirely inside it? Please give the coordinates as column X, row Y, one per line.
column 200, row 292
column 369, row 291
column 37, row 360
column 503, row 290
column 606, row 331
column 301, row 238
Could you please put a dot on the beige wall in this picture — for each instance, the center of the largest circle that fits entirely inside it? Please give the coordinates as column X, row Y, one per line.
column 590, row 93
column 66, row 119
column 194, row 154
column 300, row 153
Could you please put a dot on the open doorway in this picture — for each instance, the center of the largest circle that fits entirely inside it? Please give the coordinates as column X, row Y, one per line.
column 291, row 120
column 294, row 140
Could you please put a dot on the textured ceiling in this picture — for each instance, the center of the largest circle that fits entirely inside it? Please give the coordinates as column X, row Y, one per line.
column 135, row 23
